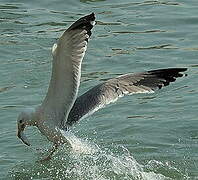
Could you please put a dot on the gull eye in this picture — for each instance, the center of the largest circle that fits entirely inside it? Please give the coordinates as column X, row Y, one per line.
column 20, row 121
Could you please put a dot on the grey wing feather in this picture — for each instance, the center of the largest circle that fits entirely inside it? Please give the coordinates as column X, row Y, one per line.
column 112, row 89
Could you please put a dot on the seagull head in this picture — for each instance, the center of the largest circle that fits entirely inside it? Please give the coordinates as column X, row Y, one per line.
column 25, row 118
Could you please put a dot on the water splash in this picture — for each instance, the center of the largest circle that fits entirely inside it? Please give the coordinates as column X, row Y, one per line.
column 87, row 161
column 79, row 145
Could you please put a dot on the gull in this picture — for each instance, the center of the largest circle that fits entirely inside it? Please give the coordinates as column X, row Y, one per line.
column 61, row 107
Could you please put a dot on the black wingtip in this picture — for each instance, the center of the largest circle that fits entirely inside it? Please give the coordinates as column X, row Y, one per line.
column 169, row 71
column 169, row 75
column 86, row 22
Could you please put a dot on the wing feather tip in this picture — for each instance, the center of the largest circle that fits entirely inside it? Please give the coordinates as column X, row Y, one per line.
column 86, row 22
column 169, row 75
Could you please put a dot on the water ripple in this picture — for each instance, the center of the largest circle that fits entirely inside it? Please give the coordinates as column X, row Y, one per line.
column 3, row 89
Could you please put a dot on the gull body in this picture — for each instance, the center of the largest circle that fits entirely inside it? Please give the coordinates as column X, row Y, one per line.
column 61, row 107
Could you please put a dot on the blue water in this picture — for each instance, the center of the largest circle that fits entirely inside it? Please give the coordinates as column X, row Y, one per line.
column 147, row 136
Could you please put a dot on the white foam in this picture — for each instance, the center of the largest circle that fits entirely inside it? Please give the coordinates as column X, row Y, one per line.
column 91, row 161
column 87, row 160
column 78, row 145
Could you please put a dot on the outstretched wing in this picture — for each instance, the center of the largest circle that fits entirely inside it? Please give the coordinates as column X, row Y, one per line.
column 128, row 84
column 67, row 54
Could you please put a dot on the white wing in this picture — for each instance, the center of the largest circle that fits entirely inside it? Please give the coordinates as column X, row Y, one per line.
column 67, row 54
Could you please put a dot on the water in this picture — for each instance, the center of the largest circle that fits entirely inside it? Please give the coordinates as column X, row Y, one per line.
column 150, row 136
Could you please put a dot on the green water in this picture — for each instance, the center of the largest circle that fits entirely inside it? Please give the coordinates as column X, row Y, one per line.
column 139, row 137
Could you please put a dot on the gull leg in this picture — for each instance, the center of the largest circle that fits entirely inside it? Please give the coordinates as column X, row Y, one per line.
column 47, row 158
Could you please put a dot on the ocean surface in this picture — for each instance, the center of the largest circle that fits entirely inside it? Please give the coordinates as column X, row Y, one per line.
column 140, row 137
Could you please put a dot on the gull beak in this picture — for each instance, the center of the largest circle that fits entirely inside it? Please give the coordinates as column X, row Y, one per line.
column 21, row 135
